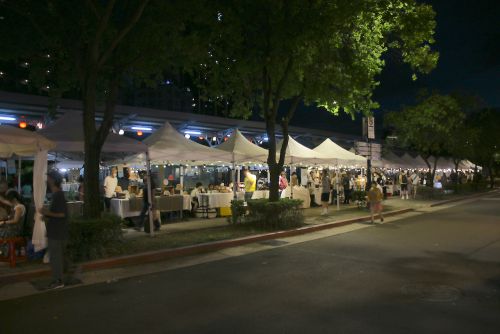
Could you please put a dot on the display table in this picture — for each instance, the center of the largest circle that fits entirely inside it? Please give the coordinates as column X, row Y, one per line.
column 132, row 207
column 299, row 192
column 258, row 194
column 215, row 200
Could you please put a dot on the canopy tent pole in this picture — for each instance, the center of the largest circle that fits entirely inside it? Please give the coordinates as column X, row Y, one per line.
column 233, row 178
column 150, row 195
column 181, row 170
column 238, row 177
column 337, row 186
column 19, row 176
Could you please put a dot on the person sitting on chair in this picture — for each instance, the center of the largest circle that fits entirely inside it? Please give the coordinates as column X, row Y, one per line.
column 11, row 228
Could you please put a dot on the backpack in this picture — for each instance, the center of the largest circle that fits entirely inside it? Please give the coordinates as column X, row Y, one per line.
column 404, row 179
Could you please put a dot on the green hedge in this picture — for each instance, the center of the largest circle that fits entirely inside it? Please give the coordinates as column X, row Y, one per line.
column 89, row 238
column 466, row 188
column 238, row 211
column 283, row 214
column 429, row 193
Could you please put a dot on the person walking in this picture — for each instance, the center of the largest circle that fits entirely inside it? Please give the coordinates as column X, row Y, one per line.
column 56, row 219
column 250, row 184
column 374, row 198
column 403, row 181
column 325, row 191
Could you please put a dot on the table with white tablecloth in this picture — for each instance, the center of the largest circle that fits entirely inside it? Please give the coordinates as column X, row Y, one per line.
column 215, row 200
column 70, row 187
column 258, row 194
column 299, row 192
column 132, row 207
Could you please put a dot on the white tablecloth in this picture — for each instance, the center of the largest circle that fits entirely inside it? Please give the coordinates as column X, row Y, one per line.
column 70, row 187
column 186, row 202
column 299, row 192
column 260, row 194
column 215, row 200
column 121, row 208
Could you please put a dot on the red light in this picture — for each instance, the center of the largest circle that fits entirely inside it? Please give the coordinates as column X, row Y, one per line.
column 139, row 133
column 23, row 125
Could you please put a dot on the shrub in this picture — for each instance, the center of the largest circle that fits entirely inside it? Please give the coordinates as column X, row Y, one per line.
column 358, row 195
column 90, row 238
column 467, row 188
column 238, row 210
column 429, row 193
column 283, row 214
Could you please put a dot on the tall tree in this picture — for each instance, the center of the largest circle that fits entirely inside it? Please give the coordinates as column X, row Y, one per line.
column 272, row 55
column 91, row 47
column 486, row 142
column 429, row 128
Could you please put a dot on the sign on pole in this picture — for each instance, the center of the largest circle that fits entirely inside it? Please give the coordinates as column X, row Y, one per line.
column 369, row 127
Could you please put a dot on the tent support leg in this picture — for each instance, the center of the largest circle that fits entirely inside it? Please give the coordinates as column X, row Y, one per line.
column 150, row 196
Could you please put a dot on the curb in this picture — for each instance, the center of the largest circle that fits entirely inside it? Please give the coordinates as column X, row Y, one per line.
column 167, row 254
column 462, row 198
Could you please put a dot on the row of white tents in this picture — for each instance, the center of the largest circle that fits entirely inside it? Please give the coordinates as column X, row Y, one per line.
column 66, row 136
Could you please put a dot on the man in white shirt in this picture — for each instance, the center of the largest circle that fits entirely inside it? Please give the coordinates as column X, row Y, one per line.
column 110, row 184
column 415, row 181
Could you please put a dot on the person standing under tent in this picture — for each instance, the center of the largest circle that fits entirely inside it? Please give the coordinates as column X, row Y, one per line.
column 250, row 184
column 325, row 191
column 403, row 182
column 374, row 197
column 415, row 181
column 283, row 182
column 56, row 218
column 347, row 185
column 110, row 184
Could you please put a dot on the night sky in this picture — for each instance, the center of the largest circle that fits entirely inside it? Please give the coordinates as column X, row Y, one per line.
column 468, row 39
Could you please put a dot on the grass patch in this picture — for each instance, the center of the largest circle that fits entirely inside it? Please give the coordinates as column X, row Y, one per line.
column 181, row 239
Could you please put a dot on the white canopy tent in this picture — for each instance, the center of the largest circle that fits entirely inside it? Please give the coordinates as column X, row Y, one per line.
column 298, row 154
column 242, row 150
column 67, row 132
column 338, row 154
column 14, row 141
column 168, row 145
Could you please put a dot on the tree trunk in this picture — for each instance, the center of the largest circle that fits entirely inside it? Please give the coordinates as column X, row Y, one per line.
column 434, row 171
column 93, row 206
column 456, row 163
column 492, row 177
column 274, row 168
column 92, row 199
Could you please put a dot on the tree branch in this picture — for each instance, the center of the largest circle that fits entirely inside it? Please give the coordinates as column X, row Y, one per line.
column 26, row 14
column 109, row 109
column 281, row 84
column 93, row 8
column 103, row 23
column 125, row 30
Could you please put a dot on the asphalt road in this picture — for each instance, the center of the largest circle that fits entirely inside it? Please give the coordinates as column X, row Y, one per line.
column 433, row 273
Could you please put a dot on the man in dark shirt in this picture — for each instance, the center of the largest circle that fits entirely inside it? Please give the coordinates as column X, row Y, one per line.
column 56, row 220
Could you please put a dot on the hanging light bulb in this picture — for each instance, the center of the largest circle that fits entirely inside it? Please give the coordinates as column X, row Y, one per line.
column 139, row 133
column 23, row 125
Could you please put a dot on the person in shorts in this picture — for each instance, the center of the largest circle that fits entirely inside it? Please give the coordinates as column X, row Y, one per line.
column 374, row 198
